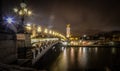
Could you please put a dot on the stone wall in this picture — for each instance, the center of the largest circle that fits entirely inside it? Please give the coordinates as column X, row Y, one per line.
column 7, row 48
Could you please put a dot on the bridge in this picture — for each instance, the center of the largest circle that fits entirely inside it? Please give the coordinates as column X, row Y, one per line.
column 37, row 41
column 29, row 47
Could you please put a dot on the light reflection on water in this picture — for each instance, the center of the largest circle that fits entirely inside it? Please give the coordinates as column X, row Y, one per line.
column 67, row 59
column 113, row 50
column 72, row 54
column 96, row 49
column 85, row 58
column 61, row 62
column 82, row 57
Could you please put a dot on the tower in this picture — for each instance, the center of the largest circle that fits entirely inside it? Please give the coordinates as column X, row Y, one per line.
column 68, row 31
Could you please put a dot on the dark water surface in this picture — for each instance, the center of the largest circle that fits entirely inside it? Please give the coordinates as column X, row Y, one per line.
column 80, row 59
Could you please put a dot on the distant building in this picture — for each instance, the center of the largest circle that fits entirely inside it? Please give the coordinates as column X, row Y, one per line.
column 109, row 36
column 68, row 31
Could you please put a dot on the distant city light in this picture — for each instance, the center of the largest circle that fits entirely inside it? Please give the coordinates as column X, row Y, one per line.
column 84, row 35
column 10, row 20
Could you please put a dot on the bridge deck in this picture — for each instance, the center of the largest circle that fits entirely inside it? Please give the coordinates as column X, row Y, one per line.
column 91, row 46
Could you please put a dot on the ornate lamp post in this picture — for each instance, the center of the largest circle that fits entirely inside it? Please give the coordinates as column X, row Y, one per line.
column 22, row 11
column 23, row 38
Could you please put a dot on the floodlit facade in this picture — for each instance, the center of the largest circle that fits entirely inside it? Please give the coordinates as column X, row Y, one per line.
column 68, row 31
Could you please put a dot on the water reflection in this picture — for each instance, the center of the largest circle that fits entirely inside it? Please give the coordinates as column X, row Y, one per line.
column 82, row 57
column 72, row 54
column 96, row 49
column 85, row 59
column 113, row 50
column 61, row 62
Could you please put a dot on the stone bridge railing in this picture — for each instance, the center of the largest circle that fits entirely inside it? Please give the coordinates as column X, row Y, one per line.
column 39, row 51
column 35, row 52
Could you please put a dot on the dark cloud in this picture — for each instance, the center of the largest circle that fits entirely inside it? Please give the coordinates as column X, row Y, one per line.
column 85, row 16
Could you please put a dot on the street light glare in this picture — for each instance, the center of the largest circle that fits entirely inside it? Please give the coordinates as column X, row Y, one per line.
column 20, row 12
column 50, row 32
column 10, row 20
column 28, row 24
column 39, row 29
column 29, row 12
column 46, row 31
column 23, row 5
column 15, row 10
column 25, row 9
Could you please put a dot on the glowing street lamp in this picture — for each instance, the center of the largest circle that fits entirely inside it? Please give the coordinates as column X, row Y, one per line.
column 10, row 20
column 15, row 10
column 25, row 10
column 53, row 33
column 22, row 11
column 28, row 24
column 24, row 30
column 28, row 27
column 39, row 29
column 29, row 13
column 46, row 31
column 50, row 32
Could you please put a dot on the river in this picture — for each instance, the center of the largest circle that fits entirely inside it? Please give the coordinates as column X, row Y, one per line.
column 80, row 59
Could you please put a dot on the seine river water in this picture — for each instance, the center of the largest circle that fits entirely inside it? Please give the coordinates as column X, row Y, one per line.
column 80, row 59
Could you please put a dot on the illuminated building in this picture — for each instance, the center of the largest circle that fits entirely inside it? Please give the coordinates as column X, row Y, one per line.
column 68, row 31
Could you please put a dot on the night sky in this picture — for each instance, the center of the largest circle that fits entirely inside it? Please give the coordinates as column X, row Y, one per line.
column 85, row 16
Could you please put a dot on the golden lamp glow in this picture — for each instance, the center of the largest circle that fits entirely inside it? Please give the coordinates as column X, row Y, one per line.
column 46, row 31
column 56, row 33
column 76, row 38
column 53, row 33
column 39, row 29
column 15, row 10
column 25, row 9
column 29, row 12
column 28, row 27
column 20, row 12
column 28, row 24
column 50, row 32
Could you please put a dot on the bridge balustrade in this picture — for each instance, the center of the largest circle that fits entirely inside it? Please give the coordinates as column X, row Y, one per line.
column 41, row 46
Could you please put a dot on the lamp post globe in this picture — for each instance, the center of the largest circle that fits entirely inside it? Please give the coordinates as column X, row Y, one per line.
column 23, row 5
column 22, row 12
